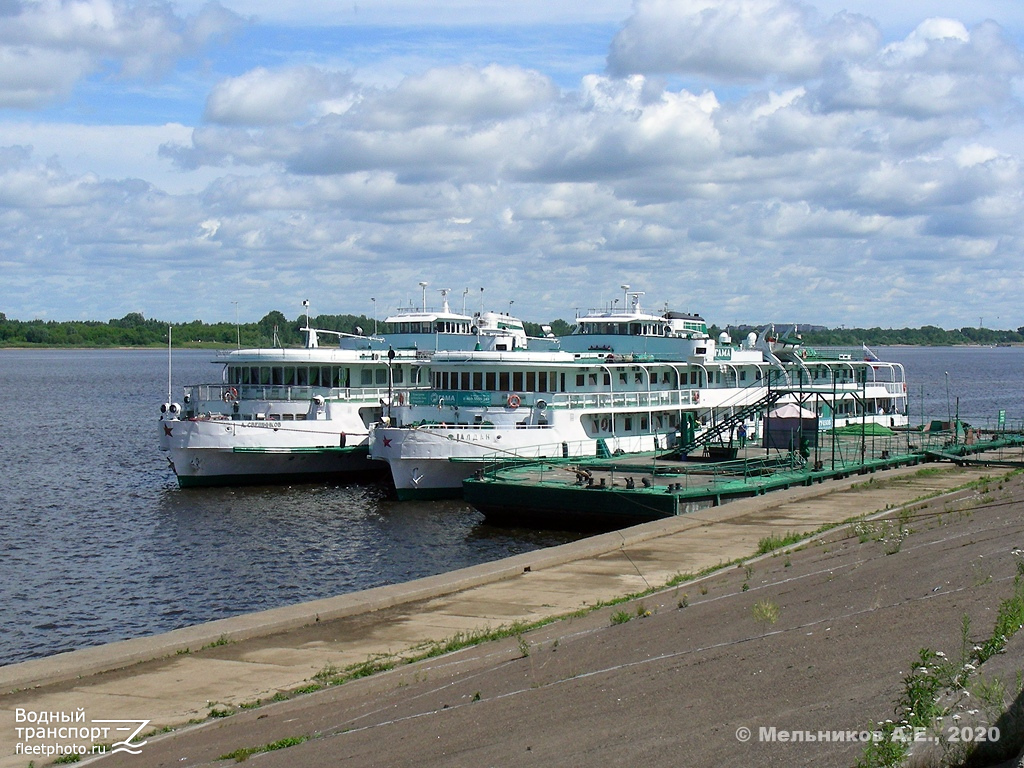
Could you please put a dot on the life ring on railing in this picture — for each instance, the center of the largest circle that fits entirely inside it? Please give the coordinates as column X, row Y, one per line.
column 696, row 396
column 514, row 401
column 230, row 395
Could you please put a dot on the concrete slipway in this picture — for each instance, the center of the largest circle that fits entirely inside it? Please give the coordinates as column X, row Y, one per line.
column 178, row 677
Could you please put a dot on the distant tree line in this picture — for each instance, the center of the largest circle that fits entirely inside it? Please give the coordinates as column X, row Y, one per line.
column 926, row 336
column 134, row 330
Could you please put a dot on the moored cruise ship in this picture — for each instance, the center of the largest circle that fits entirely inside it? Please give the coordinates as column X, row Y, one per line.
column 283, row 414
column 609, row 397
column 304, row 414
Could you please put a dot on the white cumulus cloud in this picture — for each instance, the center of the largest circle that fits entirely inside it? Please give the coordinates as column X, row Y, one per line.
column 265, row 97
column 47, row 46
column 736, row 39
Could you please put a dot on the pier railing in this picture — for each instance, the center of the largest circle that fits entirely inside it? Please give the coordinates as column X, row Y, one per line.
column 833, row 454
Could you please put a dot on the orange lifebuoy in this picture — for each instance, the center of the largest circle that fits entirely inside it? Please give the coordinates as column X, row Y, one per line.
column 513, row 401
column 230, row 395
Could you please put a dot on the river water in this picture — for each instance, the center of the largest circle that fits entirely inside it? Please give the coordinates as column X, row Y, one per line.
column 98, row 543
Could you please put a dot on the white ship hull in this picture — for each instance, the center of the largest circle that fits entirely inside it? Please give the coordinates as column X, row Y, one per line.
column 432, row 462
column 220, row 451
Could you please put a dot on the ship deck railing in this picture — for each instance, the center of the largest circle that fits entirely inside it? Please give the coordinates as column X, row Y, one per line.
column 285, row 393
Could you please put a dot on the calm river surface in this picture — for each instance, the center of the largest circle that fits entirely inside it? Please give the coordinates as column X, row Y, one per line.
column 98, row 543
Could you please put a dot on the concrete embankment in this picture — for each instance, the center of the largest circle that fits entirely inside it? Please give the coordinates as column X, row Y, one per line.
column 181, row 676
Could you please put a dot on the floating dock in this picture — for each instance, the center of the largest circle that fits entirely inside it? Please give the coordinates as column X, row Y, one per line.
column 620, row 491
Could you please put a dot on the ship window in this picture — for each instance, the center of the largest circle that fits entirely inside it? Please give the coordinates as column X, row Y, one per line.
column 491, row 382
column 579, row 379
column 276, row 375
column 382, row 375
column 607, row 379
column 627, row 423
column 593, row 378
column 531, row 381
column 444, row 380
column 302, row 377
column 561, row 382
column 743, row 375
column 365, row 377
column 478, row 380
column 643, row 422
column 289, row 376
column 517, row 381
column 622, row 377
column 465, row 380
column 397, row 372
column 503, row 381
column 542, row 381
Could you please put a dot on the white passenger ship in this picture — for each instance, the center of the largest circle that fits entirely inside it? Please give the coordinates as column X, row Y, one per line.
column 635, row 382
column 304, row 414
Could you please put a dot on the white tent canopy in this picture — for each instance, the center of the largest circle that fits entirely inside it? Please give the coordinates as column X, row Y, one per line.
column 791, row 411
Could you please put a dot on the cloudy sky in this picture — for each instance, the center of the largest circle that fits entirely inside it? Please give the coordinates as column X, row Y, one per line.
column 843, row 163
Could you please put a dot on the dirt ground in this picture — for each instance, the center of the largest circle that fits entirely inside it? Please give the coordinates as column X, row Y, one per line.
column 693, row 675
